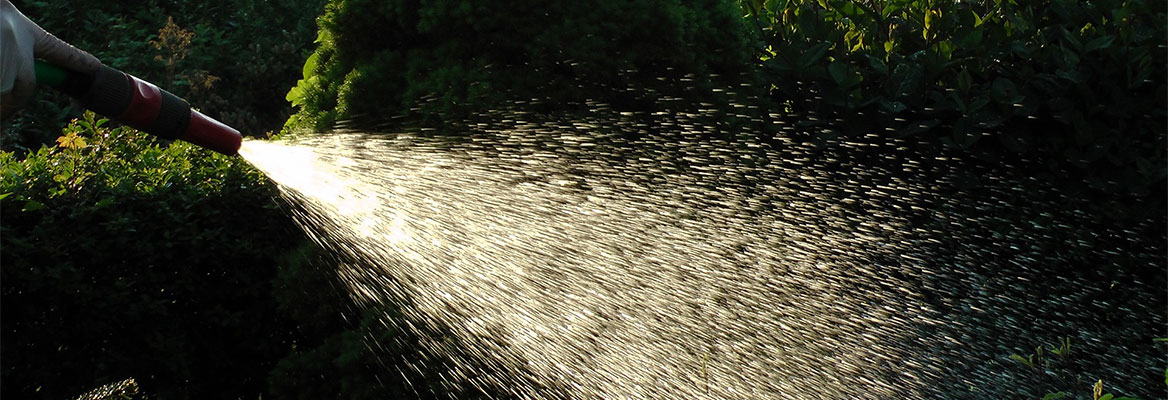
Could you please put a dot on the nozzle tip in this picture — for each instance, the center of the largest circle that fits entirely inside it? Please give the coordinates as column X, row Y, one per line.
column 211, row 134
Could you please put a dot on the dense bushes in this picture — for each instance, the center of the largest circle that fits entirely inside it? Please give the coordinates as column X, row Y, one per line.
column 377, row 60
column 179, row 268
column 1079, row 85
column 125, row 259
column 234, row 60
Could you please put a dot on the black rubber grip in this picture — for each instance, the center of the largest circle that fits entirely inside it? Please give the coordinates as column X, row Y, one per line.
column 173, row 117
column 110, row 93
column 76, row 84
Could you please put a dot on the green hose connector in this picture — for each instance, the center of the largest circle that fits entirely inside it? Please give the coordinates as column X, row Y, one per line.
column 48, row 74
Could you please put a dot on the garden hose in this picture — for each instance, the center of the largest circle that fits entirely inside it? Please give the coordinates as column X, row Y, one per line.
column 141, row 105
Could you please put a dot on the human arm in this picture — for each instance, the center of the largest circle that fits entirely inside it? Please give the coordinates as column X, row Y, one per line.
column 21, row 42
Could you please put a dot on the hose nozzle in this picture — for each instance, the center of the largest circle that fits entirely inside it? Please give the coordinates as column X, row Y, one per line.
column 141, row 105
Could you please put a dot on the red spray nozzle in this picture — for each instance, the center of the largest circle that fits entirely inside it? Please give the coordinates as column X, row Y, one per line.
column 145, row 107
column 211, row 134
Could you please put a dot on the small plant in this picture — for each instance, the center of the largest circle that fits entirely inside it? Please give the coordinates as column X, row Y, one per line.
column 1063, row 348
column 1027, row 361
column 1038, row 360
column 1098, row 393
column 172, row 43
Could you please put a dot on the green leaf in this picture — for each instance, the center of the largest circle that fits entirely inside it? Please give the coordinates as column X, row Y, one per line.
column 917, row 127
column 1108, row 396
column 963, row 137
column 892, row 106
column 309, row 69
column 838, row 72
column 4, row 195
column 1072, row 39
column 1055, row 396
column 890, row 8
column 1101, row 42
column 928, row 24
column 972, row 39
column 1003, row 89
column 814, row 54
column 32, row 205
column 910, row 76
column 877, row 65
column 295, row 94
column 105, row 202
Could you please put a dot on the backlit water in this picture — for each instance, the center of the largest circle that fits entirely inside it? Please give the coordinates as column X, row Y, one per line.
column 678, row 257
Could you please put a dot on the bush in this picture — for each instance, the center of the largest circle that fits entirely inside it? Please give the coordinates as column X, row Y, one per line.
column 443, row 59
column 123, row 258
column 177, row 267
column 1079, row 85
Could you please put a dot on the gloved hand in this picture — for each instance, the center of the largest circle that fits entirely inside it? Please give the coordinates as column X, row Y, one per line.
column 22, row 41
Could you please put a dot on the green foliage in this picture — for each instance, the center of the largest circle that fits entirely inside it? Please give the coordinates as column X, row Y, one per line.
column 123, row 258
column 1080, row 84
column 1038, row 361
column 174, row 266
column 232, row 60
column 1057, row 365
column 378, row 60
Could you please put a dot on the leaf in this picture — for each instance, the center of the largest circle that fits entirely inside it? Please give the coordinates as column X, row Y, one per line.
column 844, row 75
column 32, row 205
column 910, row 78
column 772, row 6
column 963, row 137
column 1002, row 89
column 892, row 106
column 1072, row 39
column 295, row 94
column 964, row 80
column 890, row 8
column 1073, row 75
column 71, row 141
column 4, row 195
column 878, row 65
column 972, row 39
column 814, row 54
column 917, row 127
column 838, row 72
column 1108, row 396
column 1055, row 396
column 309, row 69
column 1101, row 42
column 105, row 202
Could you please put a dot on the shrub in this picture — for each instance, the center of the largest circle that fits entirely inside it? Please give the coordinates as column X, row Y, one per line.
column 123, row 258
column 379, row 60
column 1079, row 85
column 177, row 267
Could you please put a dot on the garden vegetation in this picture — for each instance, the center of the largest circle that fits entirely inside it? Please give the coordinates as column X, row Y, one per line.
column 125, row 257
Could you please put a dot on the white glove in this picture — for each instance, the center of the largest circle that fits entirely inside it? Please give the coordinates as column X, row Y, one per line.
column 21, row 41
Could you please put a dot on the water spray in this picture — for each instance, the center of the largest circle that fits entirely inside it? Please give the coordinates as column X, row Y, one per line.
column 141, row 105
